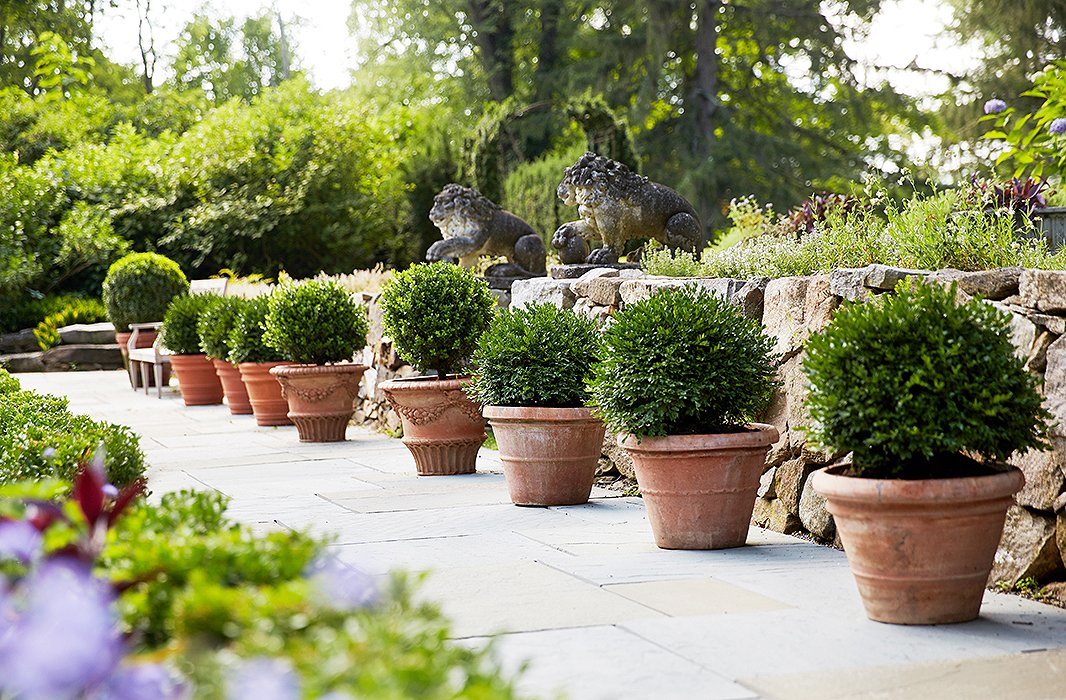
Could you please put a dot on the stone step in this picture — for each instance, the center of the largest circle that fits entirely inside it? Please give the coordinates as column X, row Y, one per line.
column 87, row 334
column 63, row 358
column 20, row 342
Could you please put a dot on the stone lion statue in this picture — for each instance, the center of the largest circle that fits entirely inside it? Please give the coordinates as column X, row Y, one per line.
column 473, row 225
column 616, row 205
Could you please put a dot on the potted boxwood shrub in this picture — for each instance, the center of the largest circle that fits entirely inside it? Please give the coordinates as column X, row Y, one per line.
column 930, row 399
column 317, row 326
column 197, row 379
column 214, row 328
column 435, row 314
column 138, row 288
column 255, row 359
column 532, row 366
column 684, row 374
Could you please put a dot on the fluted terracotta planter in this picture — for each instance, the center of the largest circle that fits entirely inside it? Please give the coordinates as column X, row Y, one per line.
column 699, row 490
column 233, row 387
column 921, row 550
column 264, row 393
column 321, row 398
column 442, row 426
column 197, row 380
column 549, row 455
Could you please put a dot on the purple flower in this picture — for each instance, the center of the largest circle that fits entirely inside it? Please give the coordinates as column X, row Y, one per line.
column 340, row 586
column 995, row 106
column 62, row 639
column 19, row 540
column 141, row 682
column 110, row 490
column 1058, row 126
column 263, row 678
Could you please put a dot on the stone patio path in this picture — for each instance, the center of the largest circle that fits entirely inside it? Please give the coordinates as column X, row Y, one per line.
column 582, row 593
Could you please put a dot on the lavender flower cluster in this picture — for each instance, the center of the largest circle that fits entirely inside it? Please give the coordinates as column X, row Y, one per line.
column 996, row 105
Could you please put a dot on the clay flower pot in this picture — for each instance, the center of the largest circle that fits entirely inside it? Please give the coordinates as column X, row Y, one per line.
column 233, row 387
column 264, row 393
column 197, row 380
column 321, row 398
column 699, row 490
column 549, row 455
column 921, row 550
column 442, row 426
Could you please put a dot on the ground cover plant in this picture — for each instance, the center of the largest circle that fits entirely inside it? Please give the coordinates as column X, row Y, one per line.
column 683, row 362
column 176, row 599
column 911, row 381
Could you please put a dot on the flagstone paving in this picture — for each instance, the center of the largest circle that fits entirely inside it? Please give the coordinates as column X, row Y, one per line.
column 581, row 594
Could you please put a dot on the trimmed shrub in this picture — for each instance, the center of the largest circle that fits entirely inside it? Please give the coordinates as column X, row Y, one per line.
column 539, row 355
column 216, row 324
column 911, row 381
column 41, row 439
column 179, row 333
column 138, row 288
column 246, row 338
column 77, row 311
column 315, row 322
column 435, row 314
column 683, row 362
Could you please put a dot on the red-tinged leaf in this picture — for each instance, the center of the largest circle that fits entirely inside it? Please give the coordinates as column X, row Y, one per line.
column 89, row 494
column 125, row 496
column 42, row 514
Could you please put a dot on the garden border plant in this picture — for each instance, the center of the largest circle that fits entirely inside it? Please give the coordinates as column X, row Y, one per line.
column 435, row 314
column 532, row 369
column 684, row 375
column 930, row 398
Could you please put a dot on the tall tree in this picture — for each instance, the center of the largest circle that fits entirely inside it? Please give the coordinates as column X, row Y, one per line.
column 22, row 21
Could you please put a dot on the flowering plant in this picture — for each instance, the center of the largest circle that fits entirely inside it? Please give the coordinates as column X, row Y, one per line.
column 1036, row 142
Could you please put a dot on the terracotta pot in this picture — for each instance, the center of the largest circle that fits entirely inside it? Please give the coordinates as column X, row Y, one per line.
column 264, row 393
column 442, row 426
column 197, row 380
column 321, row 398
column 699, row 490
column 549, row 455
column 921, row 550
column 233, row 387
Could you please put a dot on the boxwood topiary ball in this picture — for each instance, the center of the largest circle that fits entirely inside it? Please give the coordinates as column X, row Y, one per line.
column 539, row 355
column 912, row 380
column 179, row 333
column 138, row 288
column 683, row 362
column 435, row 314
column 315, row 322
column 246, row 337
column 215, row 325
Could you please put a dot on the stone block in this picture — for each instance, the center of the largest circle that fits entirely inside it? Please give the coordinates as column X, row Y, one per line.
column 21, row 342
column 87, row 334
column 773, row 515
column 750, row 297
column 635, row 290
column 614, row 454
column 814, row 515
column 1044, row 480
column 795, row 308
column 502, row 296
column 847, row 283
column 602, row 291
column 1055, row 381
column 1036, row 362
column 789, row 482
column 544, row 290
column 766, row 484
column 999, row 283
column 1043, row 290
column 885, row 278
column 23, row 362
column 1022, row 331
column 1056, row 325
column 1027, row 548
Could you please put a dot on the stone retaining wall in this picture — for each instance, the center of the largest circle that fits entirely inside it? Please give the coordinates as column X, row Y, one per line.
column 793, row 308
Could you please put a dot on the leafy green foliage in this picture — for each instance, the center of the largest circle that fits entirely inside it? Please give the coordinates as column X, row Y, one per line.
column 435, row 315
column 41, row 439
column 29, row 311
column 139, row 287
column 180, row 333
column 539, row 355
column 683, row 362
column 246, row 338
column 529, row 191
column 216, row 324
column 913, row 379
column 8, row 384
column 1032, row 148
column 77, row 311
column 315, row 322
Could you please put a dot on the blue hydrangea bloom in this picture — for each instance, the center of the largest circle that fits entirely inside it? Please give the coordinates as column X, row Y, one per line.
column 995, row 106
column 1058, row 126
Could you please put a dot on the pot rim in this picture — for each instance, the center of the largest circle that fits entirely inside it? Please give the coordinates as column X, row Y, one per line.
column 266, row 365
column 829, row 483
column 296, row 370
column 450, row 383
column 539, row 413
column 758, row 435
